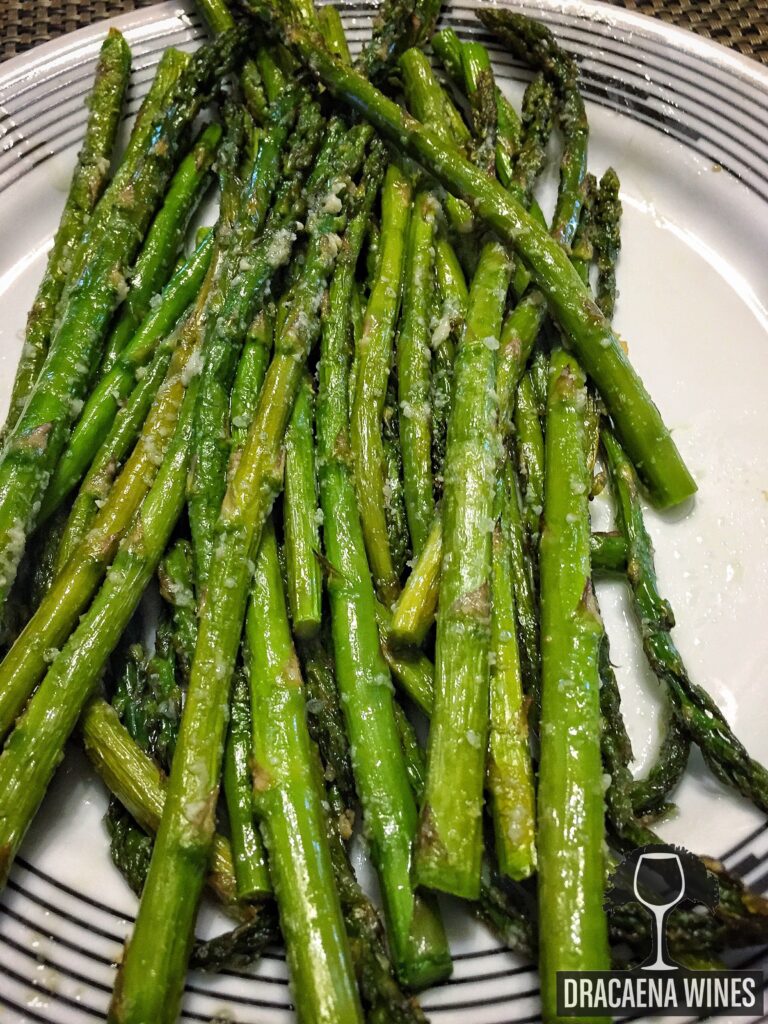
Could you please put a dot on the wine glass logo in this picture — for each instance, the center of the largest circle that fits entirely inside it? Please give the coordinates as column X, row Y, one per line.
column 659, row 884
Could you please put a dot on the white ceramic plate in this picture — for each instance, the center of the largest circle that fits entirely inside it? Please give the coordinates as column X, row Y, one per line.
column 685, row 123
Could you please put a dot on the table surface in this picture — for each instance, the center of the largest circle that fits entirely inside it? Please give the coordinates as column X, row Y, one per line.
column 742, row 24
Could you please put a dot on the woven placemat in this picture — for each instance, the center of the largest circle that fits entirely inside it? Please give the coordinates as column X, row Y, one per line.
column 742, row 24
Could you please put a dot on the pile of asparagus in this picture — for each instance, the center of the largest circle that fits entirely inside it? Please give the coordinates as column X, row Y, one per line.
column 349, row 441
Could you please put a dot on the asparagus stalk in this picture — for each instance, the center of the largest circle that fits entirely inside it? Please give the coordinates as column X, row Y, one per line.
column 219, row 20
column 698, row 714
column 332, row 30
column 608, row 552
column 250, row 862
column 35, row 747
column 172, row 64
column 164, row 240
column 150, row 985
column 247, row 848
column 326, row 725
column 300, row 517
column 449, row 843
column 428, row 101
column 175, row 576
column 374, row 357
column 74, row 586
column 88, row 181
column 510, row 777
column 481, row 92
column 450, row 51
column 570, row 796
column 607, row 240
column 394, row 493
column 638, row 421
column 413, row 371
column 412, row 669
column 453, row 294
column 399, row 25
column 34, row 445
column 104, row 402
column 414, row 612
column 419, row 948
column 288, row 805
column 127, row 428
column 225, row 334
column 529, row 442
column 251, row 369
column 137, row 782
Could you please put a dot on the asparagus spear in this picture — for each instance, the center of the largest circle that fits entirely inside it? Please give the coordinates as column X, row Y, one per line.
column 450, row 51
column 399, row 25
column 332, row 30
column 428, row 101
column 481, row 92
column 449, row 843
column 88, row 181
column 410, row 667
column 570, row 796
column 137, row 782
column 74, row 586
column 698, row 714
column 608, row 552
column 394, row 487
column 374, row 357
column 34, row 748
column 419, row 948
column 103, row 403
column 446, row 330
column 300, row 517
column 126, row 431
column 225, row 333
column 247, row 848
column 92, row 549
column 149, row 986
column 413, row 370
column 37, row 440
column 175, row 576
column 288, row 805
column 172, row 64
column 164, row 240
column 251, row 369
column 529, row 442
column 220, row 20
column 607, row 240
column 639, row 422
column 510, row 777
column 326, row 725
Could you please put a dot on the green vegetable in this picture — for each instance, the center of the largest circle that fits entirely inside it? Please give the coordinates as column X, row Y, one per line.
column 419, row 947
column 90, row 177
column 300, row 517
column 374, row 358
column 639, row 422
column 288, row 803
column 413, row 371
column 570, row 793
column 449, row 843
